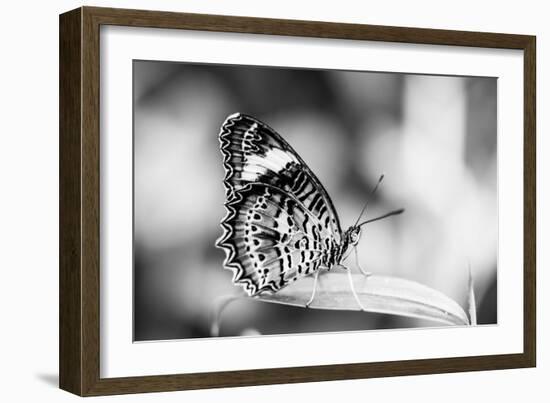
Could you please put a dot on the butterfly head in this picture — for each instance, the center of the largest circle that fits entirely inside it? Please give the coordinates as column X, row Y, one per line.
column 353, row 234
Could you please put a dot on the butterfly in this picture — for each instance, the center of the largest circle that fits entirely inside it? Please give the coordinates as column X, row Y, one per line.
column 280, row 223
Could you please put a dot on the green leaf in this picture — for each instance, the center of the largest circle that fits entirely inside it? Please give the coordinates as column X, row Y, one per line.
column 379, row 294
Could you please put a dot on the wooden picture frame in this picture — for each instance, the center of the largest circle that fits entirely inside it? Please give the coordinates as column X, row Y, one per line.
column 80, row 199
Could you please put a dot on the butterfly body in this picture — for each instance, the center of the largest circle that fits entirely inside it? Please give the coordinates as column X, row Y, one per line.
column 280, row 224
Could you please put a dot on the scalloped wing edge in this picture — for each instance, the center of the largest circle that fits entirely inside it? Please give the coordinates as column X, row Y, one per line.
column 232, row 198
column 225, row 132
column 231, row 262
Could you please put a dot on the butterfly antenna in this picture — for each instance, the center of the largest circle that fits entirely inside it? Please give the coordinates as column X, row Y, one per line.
column 372, row 192
column 395, row 212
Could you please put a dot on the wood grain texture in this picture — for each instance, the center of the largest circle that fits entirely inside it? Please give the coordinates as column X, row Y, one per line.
column 80, row 200
column 70, row 274
column 316, row 29
column 530, row 203
column 90, row 202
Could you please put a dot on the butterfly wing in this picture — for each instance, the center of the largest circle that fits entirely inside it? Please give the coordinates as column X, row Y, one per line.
column 280, row 223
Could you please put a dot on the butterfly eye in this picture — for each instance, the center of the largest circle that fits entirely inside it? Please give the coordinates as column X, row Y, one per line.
column 354, row 237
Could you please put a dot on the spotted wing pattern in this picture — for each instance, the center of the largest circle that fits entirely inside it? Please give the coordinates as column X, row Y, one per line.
column 280, row 222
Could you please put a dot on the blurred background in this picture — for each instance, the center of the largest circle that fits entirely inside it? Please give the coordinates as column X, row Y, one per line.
column 434, row 137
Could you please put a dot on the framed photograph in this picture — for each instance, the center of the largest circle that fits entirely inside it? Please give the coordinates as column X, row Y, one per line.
column 249, row 201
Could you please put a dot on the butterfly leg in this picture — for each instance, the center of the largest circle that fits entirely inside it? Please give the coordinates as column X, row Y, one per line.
column 308, row 303
column 365, row 273
column 353, row 289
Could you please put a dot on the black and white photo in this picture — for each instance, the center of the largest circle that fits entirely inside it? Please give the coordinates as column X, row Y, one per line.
column 255, row 188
